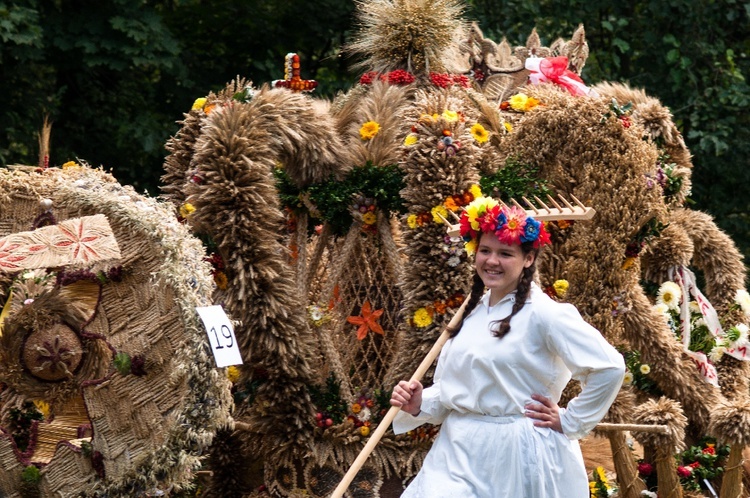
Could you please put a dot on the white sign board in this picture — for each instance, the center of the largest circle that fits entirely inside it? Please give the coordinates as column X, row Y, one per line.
column 221, row 335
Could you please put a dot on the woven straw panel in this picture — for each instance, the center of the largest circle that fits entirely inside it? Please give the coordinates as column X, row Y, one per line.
column 148, row 430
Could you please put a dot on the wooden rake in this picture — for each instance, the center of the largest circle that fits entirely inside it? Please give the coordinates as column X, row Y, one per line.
column 562, row 210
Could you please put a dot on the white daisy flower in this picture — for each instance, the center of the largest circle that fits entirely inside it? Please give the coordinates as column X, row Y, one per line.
column 661, row 308
column 694, row 308
column 716, row 353
column 743, row 299
column 645, row 369
column 670, row 294
column 628, row 379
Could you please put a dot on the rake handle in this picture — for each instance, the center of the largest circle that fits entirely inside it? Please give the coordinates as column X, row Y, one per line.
column 388, row 418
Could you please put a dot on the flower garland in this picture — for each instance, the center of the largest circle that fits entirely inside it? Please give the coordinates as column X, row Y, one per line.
column 339, row 202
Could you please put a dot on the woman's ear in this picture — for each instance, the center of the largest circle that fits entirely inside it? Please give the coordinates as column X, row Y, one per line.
column 529, row 259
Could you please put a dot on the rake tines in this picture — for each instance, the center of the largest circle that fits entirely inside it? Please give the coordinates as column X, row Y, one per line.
column 551, row 210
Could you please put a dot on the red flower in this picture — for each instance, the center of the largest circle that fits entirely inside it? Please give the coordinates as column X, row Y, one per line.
column 644, row 468
column 709, row 451
column 367, row 321
column 441, row 80
column 684, row 471
column 625, row 120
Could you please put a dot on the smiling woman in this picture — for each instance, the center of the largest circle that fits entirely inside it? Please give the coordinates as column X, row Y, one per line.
column 496, row 389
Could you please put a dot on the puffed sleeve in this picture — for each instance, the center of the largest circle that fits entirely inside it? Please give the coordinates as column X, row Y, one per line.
column 592, row 361
column 432, row 410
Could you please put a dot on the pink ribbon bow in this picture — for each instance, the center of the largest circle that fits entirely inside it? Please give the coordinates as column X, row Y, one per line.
column 555, row 70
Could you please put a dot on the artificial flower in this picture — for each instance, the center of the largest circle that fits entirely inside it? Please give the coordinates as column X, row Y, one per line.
column 43, row 407
column 198, row 104
column 508, row 127
column 629, row 261
column 645, row 369
column 71, row 165
column 453, row 261
column 437, row 212
column 221, row 280
column 233, row 374
column 684, row 471
column 471, row 247
column 694, row 307
column 369, row 218
column 356, row 408
column 738, row 335
column 475, row 191
column 411, row 221
column 649, row 494
column 716, row 353
column 186, row 210
column 661, row 308
column 743, row 299
column 561, row 287
column 627, row 379
column 410, row 140
column 479, row 133
column 422, row 318
column 645, row 469
column 450, row 204
column 367, row 321
column 523, row 103
column 369, row 130
column 670, row 294
column 364, row 431
column 511, row 232
column 450, row 116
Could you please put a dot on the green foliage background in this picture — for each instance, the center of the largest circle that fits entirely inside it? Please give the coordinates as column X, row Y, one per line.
column 116, row 76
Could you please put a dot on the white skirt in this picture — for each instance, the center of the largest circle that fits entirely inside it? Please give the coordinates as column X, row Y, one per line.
column 479, row 456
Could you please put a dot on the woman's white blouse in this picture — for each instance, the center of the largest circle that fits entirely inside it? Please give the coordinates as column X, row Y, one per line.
column 548, row 344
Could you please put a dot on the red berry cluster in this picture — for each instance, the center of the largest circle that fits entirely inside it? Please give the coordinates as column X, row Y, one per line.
column 323, row 420
column 397, row 77
column 445, row 80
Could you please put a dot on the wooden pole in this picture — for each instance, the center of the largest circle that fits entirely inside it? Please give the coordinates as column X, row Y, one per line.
column 731, row 483
column 388, row 418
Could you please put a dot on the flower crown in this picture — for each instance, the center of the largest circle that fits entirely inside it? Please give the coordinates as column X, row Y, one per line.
column 511, row 225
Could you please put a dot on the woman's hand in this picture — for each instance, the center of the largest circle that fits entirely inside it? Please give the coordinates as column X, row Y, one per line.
column 545, row 413
column 408, row 397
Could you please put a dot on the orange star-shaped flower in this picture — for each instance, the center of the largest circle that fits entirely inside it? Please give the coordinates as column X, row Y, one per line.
column 367, row 321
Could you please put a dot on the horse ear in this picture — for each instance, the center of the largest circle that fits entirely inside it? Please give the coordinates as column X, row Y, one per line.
column 83, row 297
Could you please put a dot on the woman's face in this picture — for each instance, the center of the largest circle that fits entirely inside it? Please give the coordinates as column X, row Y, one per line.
column 500, row 265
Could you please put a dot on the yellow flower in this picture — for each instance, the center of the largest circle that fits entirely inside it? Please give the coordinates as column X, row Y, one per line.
column 475, row 191
column 356, row 408
column 186, row 210
column 422, row 318
column 233, row 374
column 198, row 104
column 410, row 140
column 369, row 218
column 479, row 133
column 71, row 165
column 437, row 212
column 364, row 431
column 471, row 247
column 43, row 407
column 645, row 369
column 523, row 103
column 628, row 263
column 369, row 130
column 508, row 126
column 450, row 116
column 561, row 288
column 221, row 280
column 412, row 221
column 601, row 475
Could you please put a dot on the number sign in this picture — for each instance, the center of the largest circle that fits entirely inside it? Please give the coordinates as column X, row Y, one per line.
column 221, row 335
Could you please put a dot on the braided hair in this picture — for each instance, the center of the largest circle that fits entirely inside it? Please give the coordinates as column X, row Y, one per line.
column 500, row 328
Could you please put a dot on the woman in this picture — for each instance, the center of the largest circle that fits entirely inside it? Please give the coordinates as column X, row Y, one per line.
column 500, row 376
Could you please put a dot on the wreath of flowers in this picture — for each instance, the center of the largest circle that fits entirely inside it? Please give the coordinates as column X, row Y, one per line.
column 511, row 225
